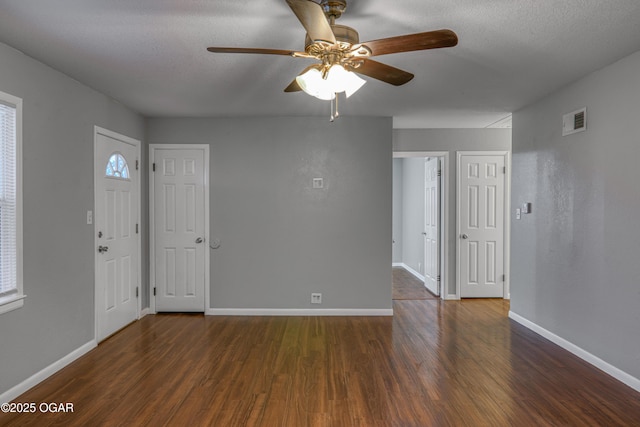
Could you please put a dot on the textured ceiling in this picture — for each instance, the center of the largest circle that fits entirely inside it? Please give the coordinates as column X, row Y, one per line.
column 151, row 54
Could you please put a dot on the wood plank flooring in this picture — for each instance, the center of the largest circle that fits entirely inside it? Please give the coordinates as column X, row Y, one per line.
column 434, row 363
column 407, row 286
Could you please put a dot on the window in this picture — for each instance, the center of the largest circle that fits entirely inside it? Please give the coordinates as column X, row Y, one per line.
column 117, row 167
column 11, row 292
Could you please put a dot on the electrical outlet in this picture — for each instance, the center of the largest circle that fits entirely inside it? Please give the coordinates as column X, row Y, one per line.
column 316, row 298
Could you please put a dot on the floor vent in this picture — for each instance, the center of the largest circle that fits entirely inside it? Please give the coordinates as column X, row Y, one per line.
column 575, row 121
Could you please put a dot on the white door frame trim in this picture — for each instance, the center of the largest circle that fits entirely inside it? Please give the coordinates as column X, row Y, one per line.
column 97, row 130
column 444, row 223
column 507, row 218
column 152, row 262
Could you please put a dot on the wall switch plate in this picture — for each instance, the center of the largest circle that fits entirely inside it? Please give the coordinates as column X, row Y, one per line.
column 526, row 208
column 89, row 217
column 518, row 213
column 318, row 183
column 316, row 298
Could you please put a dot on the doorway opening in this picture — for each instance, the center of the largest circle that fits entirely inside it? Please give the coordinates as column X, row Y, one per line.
column 421, row 218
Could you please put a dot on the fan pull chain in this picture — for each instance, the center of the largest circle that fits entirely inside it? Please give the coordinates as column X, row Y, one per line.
column 331, row 116
column 334, row 109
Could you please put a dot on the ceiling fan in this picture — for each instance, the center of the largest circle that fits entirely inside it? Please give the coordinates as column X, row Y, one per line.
column 340, row 52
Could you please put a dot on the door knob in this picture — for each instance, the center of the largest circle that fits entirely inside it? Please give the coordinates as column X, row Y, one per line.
column 464, row 236
column 199, row 240
column 103, row 249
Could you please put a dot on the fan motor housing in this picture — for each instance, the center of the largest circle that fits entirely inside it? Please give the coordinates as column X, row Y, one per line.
column 343, row 34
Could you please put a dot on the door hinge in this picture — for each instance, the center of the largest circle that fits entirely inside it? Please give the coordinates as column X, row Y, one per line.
column 439, row 172
column 438, row 278
column 504, row 277
column 136, row 292
column 136, row 228
column 154, row 291
column 154, row 167
column 137, row 164
column 504, row 169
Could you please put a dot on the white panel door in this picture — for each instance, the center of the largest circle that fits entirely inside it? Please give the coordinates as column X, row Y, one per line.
column 481, row 225
column 432, row 225
column 180, row 243
column 117, row 264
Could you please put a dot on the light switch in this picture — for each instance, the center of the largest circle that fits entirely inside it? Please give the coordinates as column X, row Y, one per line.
column 89, row 217
column 518, row 213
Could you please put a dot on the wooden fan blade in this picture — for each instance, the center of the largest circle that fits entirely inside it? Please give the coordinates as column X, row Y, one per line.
column 382, row 72
column 294, row 86
column 412, row 42
column 313, row 20
column 251, row 50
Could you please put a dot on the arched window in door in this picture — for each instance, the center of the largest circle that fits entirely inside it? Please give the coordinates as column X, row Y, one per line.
column 117, row 167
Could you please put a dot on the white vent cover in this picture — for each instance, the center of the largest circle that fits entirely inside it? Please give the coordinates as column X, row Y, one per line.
column 575, row 121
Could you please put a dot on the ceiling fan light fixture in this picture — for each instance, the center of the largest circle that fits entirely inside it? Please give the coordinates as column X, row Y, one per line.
column 337, row 80
column 312, row 83
column 344, row 81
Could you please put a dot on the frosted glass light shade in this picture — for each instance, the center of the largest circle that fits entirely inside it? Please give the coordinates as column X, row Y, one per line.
column 312, row 83
column 338, row 80
column 344, row 81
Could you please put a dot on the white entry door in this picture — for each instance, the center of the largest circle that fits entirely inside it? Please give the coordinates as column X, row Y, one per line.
column 432, row 225
column 481, row 224
column 116, row 227
column 180, row 241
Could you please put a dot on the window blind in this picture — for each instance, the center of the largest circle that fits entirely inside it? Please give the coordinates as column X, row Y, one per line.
column 8, row 219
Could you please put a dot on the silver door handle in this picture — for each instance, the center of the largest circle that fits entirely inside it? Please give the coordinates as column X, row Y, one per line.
column 464, row 236
column 103, row 249
column 199, row 240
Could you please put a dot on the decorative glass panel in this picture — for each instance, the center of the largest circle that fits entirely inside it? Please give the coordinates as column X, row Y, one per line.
column 117, row 167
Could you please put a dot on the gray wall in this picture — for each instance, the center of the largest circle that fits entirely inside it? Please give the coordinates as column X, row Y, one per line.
column 413, row 213
column 451, row 140
column 282, row 240
column 574, row 263
column 396, row 232
column 58, row 126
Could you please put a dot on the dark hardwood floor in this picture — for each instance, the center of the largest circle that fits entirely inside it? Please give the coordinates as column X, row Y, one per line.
column 434, row 363
column 407, row 286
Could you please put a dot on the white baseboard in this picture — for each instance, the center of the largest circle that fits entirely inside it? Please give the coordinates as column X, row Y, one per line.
column 144, row 312
column 299, row 312
column 38, row 377
column 410, row 270
column 616, row 373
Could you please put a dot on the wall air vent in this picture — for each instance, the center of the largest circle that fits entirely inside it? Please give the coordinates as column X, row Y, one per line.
column 575, row 121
